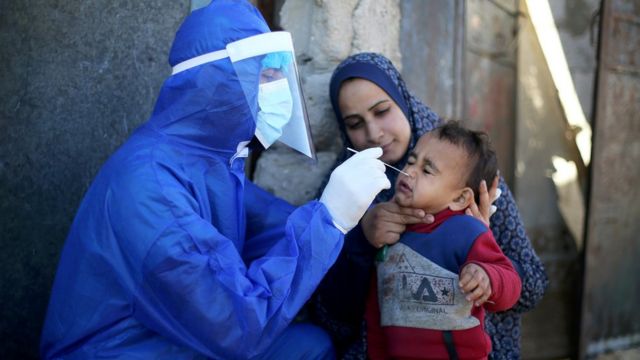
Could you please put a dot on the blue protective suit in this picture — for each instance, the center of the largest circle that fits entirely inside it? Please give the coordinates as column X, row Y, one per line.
column 173, row 253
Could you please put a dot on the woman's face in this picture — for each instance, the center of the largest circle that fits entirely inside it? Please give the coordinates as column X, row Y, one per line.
column 372, row 119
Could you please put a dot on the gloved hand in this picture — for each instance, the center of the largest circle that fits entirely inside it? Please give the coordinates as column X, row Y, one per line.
column 352, row 187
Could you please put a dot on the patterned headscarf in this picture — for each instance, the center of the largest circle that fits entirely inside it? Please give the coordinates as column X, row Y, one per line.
column 379, row 70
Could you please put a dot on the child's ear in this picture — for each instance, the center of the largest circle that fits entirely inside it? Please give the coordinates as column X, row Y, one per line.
column 463, row 200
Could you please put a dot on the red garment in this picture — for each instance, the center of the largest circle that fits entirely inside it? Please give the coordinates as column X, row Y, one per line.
column 474, row 343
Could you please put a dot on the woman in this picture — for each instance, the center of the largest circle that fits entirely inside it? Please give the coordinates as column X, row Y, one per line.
column 373, row 107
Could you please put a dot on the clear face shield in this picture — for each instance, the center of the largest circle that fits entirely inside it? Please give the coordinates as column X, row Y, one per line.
column 266, row 68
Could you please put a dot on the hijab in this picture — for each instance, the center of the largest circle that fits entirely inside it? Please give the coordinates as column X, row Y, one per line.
column 379, row 70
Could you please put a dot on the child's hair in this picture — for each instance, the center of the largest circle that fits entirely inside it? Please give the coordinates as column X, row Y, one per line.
column 482, row 157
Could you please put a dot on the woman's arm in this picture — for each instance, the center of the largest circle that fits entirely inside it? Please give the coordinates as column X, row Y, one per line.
column 509, row 232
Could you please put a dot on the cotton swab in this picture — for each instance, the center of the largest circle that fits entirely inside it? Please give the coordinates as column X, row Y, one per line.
column 394, row 168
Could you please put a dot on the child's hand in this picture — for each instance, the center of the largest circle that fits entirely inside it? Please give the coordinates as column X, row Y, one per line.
column 475, row 282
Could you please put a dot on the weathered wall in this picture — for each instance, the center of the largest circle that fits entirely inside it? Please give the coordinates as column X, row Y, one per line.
column 611, row 284
column 77, row 77
column 578, row 22
column 539, row 136
column 542, row 133
column 488, row 88
column 459, row 57
column 431, row 41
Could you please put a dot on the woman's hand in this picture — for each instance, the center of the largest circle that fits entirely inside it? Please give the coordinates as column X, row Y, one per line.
column 484, row 211
column 383, row 223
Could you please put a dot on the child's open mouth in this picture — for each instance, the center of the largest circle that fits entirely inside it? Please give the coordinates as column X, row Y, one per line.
column 404, row 187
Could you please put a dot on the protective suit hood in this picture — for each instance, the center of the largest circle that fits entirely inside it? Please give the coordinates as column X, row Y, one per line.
column 205, row 107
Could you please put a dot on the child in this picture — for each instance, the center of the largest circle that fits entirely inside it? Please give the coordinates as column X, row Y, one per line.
column 431, row 289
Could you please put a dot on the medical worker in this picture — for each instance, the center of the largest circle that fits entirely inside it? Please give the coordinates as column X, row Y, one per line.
column 174, row 253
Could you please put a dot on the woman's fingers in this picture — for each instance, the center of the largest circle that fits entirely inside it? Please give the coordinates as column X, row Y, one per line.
column 485, row 202
column 405, row 215
column 494, row 192
column 474, row 211
column 394, row 208
column 385, row 238
column 485, row 209
column 383, row 223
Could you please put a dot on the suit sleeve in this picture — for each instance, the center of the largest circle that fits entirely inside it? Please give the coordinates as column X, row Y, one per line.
column 505, row 281
column 193, row 286
column 339, row 302
column 266, row 217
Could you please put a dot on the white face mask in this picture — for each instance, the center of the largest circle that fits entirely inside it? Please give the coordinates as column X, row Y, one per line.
column 276, row 106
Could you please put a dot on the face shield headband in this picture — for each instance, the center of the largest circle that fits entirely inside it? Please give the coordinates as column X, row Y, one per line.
column 267, row 71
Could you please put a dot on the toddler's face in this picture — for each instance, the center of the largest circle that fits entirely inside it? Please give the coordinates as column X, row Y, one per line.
column 438, row 172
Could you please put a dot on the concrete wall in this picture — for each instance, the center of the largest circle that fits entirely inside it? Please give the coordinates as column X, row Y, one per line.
column 77, row 77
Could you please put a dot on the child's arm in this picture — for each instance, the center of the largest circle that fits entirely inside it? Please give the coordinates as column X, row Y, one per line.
column 488, row 277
